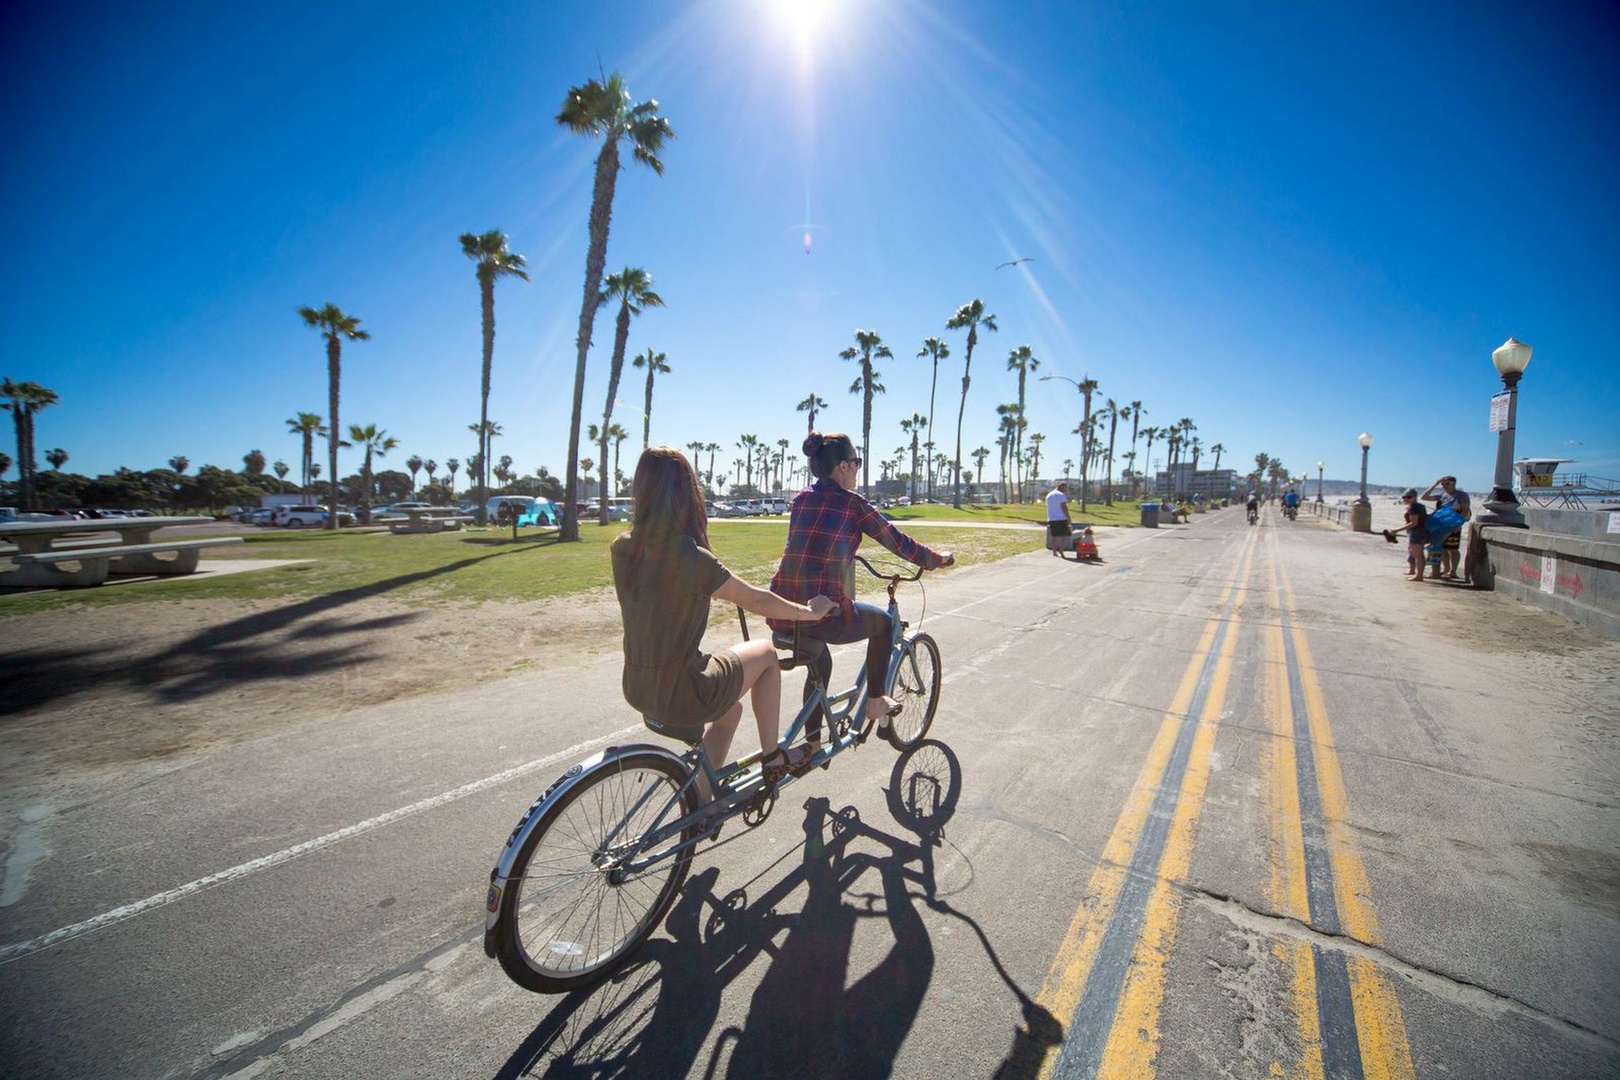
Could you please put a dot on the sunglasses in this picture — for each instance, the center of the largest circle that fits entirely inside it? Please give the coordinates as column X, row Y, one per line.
column 855, row 461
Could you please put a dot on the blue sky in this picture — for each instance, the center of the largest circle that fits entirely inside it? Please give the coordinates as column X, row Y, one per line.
column 1289, row 222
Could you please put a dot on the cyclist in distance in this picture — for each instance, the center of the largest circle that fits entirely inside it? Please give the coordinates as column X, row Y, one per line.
column 664, row 575
column 826, row 523
column 1254, row 508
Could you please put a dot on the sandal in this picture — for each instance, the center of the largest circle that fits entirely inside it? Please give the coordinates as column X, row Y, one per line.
column 779, row 763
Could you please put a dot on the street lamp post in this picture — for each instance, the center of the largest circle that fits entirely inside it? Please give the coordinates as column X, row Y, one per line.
column 1320, row 465
column 1361, row 512
column 1502, row 508
column 1085, row 389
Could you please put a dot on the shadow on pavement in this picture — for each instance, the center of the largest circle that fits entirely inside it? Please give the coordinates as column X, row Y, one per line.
column 653, row 1018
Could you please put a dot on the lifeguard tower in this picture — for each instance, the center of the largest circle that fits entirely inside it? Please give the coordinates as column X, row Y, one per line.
column 1538, row 481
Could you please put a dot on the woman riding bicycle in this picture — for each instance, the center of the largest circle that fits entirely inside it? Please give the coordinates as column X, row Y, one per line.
column 664, row 575
column 825, row 528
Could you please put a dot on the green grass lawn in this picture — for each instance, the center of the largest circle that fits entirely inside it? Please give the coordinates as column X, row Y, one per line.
column 487, row 564
column 474, row 565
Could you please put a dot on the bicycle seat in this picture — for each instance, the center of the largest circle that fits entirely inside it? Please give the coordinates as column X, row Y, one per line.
column 686, row 733
column 797, row 650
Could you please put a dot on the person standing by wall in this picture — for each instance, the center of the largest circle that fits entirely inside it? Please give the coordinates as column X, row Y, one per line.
column 1417, row 533
column 1445, row 495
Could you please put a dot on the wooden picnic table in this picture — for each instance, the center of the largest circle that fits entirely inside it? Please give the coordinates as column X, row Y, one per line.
column 70, row 554
column 427, row 519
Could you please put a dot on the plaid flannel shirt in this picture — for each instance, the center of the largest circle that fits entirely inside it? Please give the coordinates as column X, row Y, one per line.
column 824, row 532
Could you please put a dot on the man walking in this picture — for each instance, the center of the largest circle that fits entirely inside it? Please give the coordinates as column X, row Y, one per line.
column 1057, row 519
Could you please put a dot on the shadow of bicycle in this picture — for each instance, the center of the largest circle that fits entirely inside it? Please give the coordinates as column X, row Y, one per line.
column 654, row 1018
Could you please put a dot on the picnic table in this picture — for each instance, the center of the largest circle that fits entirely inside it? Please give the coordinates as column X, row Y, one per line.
column 429, row 519
column 74, row 553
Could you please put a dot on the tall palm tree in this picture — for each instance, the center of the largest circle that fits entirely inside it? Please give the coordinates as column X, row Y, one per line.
column 868, row 344
column 978, row 457
column 334, row 327
column 430, row 467
column 1110, row 409
column 1137, row 412
column 374, row 441
column 913, row 426
column 306, row 425
column 57, row 458
column 811, row 405
column 1008, row 426
column 1150, row 434
column 697, row 447
column 1035, row 441
column 414, row 464
column 632, row 287
column 748, row 443
column 781, row 457
column 180, row 463
column 712, row 448
column 602, row 110
column 936, row 350
column 451, row 465
column 1218, row 449
column 281, row 469
column 495, row 260
column 1021, row 360
column 617, row 434
column 1088, row 386
column 23, row 400
column 970, row 316
column 655, row 364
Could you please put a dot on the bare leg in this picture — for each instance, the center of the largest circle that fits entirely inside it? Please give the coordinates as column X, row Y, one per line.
column 762, row 680
column 717, row 737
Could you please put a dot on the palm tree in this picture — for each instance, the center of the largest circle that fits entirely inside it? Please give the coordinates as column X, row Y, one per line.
column 602, row 110
column 654, row 363
column 632, row 287
column 451, row 465
column 811, row 405
column 1218, row 449
column 334, row 327
column 57, row 458
column 978, row 457
column 1009, row 438
column 969, row 317
column 430, row 467
column 377, row 442
column 1137, row 412
column 712, row 448
column 1021, row 360
column 748, row 442
column 618, row 435
column 1035, row 441
column 868, row 343
column 912, row 427
column 781, row 458
column 24, row 400
column 1110, row 409
column 1150, row 434
column 936, row 350
column 495, row 260
column 414, row 464
column 281, row 469
column 306, row 425
column 180, row 463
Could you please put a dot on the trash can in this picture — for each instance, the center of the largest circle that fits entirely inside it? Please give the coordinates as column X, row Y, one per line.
column 1150, row 516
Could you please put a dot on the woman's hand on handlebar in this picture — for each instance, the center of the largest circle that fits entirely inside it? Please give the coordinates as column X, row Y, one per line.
column 820, row 607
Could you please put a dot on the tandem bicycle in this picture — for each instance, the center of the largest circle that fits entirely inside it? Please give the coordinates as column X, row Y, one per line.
column 595, row 862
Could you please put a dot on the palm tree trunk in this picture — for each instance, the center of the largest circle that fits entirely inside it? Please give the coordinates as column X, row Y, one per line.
column 607, row 175
column 961, row 410
column 486, row 289
column 621, row 335
column 933, row 384
column 334, row 373
column 866, row 424
column 646, row 410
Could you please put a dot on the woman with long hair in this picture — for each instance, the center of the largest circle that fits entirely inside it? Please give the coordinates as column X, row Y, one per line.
column 825, row 528
column 665, row 575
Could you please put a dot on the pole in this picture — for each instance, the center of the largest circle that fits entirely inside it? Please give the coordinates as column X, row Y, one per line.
column 1502, row 508
column 1361, row 513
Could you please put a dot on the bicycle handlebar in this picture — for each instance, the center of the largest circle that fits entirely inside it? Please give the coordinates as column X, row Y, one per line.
column 870, row 569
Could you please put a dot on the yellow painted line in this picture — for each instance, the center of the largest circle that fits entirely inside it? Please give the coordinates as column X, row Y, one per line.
column 1128, row 1052
column 1289, row 894
column 1386, row 1053
column 1066, row 979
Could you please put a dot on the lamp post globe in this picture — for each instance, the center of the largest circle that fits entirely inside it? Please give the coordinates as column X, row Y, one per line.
column 1502, row 508
column 1361, row 512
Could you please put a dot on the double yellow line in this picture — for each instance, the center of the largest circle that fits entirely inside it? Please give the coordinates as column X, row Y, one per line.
column 1109, row 973
column 1108, row 978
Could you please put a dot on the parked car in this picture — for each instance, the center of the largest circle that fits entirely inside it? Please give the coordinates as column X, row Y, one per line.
column 306, row 517
column 260, row 516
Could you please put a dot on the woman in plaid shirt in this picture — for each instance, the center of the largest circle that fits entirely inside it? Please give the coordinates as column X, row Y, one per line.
column 825, row 529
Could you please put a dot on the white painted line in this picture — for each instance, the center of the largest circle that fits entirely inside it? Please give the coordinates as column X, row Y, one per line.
column 17, row 951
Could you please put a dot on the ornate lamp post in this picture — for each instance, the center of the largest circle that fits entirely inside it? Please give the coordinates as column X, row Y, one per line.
column 1320, row 465
column 1361, row 512
column 1502, row 508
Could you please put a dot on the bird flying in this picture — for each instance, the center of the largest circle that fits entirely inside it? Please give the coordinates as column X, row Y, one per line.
column 1015, row 262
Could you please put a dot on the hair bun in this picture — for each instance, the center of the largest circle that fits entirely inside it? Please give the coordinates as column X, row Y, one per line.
column 813, row 444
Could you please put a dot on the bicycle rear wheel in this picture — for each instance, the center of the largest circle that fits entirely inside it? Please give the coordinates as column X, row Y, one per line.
column 571, row 914
column 914, row 683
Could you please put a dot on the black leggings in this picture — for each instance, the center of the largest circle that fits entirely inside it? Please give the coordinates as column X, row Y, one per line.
column 870, row 622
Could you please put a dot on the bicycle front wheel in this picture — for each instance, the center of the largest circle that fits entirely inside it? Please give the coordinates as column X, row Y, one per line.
column 572, row 911
column 915, row 685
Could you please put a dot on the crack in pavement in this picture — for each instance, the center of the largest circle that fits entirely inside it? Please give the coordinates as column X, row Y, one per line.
column 1439, row 984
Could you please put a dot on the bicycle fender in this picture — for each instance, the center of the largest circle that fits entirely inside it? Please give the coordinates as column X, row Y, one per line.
column 558, row 788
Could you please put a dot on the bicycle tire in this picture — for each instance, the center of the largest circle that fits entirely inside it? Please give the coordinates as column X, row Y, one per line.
column 914, row 683
column 564, row 924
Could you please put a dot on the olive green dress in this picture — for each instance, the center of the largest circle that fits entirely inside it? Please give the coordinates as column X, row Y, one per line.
column 665, row 606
